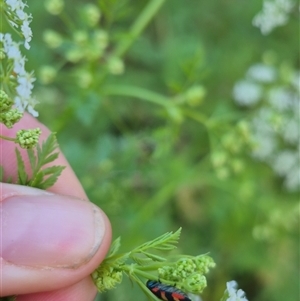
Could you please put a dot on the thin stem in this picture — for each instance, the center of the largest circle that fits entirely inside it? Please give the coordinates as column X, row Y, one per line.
column 138, row 26
column 136, row 92
column 196, row 116
column 7, row 138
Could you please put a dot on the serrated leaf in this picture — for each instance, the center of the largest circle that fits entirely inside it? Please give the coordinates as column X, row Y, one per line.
column 1, row 173
column 140, row 261
column 22, row 175
column 154, row 257
column 31, row 157
column 166, row 241
column 115, row 246
column 44, row 155
column 50, row 158
column 54, row 174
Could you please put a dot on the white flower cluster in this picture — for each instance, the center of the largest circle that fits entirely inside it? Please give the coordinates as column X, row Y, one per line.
column 19, row 19
column 276, row 122
column 23, row 99
column 233, row 293
column 274, row 13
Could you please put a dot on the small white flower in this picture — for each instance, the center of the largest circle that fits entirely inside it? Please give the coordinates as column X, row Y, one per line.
column 234, row 293
column 262, row 73
column 15, row 4
column 246, row 93
column 18, row 15
column 281, row 98
column 27, row 33
column 274, row 13
column 292, row 180
column 19, row 67
column 291, row 132
column 23, row 99
column 265, row 145
column 295, row 80
column 284, row 162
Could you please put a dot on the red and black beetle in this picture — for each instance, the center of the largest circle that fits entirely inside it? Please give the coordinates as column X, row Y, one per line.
column 166, row 292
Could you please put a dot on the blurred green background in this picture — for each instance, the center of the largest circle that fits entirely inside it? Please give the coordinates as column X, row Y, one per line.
column 141, row 100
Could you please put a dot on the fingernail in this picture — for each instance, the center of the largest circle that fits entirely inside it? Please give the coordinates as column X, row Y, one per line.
column 49, row 230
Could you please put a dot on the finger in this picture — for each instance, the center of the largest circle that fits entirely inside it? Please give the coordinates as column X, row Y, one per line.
column 67, row 183
column 49, row 241
column 73, row 188
column 83, row 290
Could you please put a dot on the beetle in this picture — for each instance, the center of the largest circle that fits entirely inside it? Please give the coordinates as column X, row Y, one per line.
column 166, row 292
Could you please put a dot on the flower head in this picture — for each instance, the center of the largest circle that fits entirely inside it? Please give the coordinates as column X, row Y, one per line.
column 28, row 138
column 233, row 293
column 19, row 19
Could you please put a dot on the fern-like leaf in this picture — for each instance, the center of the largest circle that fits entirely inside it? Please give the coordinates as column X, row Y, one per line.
column 42, row 178
column 22, row 175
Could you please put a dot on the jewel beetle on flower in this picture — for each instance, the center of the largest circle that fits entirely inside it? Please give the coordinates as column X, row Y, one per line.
column 166, row 292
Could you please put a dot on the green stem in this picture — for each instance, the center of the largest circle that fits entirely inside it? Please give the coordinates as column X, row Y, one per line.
column 7, row 138
column 138, row 26
column 137, row 92
column 201, row 118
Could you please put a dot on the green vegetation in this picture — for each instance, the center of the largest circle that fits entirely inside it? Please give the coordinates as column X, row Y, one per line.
column 140, row 94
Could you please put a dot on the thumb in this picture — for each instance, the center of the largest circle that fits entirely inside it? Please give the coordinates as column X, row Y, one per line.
column 48, row 241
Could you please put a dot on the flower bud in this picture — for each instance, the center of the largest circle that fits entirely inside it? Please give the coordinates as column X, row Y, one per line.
column 92, row 14
column 195, row 95
column 52, row 38
column 115, row 66
column 5, row 102
column 54, row 7
column 28, row 138
column 47, row 74
column 9, row 118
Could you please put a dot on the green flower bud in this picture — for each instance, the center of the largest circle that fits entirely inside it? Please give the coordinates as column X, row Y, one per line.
column 5, row 102
column 80, row 37
column 237, row 165
column 74, row 55
column 100, row 38
column 115, row 66
column 52, row 38
column 195, row 95
column 84, row 78
column 47, row 74
column 244, row 130
column 106, row 278
column 92, row 14
column 218, row 159
column 54, row 7
column 28, row 138
column 204, row 263
column 232, row 142
column 9, row 118
column 195, row 283
column 186, row 265
column 92, row 53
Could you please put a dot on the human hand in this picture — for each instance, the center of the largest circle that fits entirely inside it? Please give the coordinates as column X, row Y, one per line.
column 51, row 241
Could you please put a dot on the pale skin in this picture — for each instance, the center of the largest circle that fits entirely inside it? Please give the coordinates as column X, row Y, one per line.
column 50, row 241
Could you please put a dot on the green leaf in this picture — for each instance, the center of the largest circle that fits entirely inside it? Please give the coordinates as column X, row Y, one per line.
column 1, row 173
column 22, row 175
column 166, row 241
column 154, row 257
column 115, row 246
column 54, row 172
column 31, row 157
column 44, row 178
